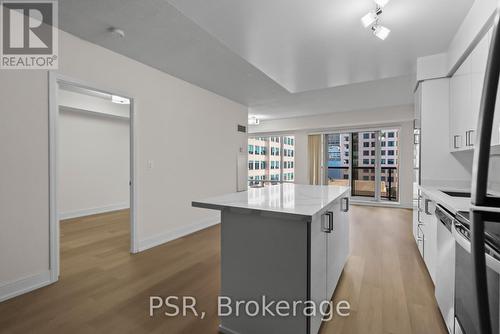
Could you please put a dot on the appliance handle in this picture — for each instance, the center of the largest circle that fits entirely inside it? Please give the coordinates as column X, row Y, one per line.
column 491, row 262
column 480, row 167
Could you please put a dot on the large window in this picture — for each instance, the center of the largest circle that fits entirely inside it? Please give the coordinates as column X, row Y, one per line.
column 367, row 161
column 272, row 160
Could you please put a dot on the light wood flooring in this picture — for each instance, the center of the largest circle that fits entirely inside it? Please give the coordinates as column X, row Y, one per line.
column 104, row 289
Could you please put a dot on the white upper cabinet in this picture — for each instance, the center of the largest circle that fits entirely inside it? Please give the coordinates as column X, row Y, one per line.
column 460, row 107
column 466, row 88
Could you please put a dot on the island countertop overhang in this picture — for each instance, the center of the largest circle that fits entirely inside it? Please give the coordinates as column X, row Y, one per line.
column 286, row 198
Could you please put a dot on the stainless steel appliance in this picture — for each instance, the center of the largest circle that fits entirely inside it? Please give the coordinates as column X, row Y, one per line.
column 466, row 308
column 485, row 209
column 445, row 275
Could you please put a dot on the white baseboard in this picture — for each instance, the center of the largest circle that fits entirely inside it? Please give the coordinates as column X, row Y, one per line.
column 177, row 233
column 24, row 285
column 93, row 211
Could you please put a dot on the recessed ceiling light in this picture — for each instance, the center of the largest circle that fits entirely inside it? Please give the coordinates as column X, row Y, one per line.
column 381, row 32
column 117, row 32
column 369, row 19
column 382, row 3
column 119, row 99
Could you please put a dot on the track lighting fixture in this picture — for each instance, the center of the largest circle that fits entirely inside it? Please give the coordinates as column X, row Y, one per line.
column 372, row 20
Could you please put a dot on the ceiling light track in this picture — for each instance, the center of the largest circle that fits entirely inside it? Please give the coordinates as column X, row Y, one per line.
column 372, row 20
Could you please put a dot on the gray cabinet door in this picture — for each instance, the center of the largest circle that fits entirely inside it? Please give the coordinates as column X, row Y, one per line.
column 318, row 267
column 335, row 246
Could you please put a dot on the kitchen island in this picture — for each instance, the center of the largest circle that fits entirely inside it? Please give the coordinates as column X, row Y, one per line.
column 286, row 242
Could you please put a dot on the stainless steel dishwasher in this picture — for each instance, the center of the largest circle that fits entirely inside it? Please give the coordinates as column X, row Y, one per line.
column 445, row 275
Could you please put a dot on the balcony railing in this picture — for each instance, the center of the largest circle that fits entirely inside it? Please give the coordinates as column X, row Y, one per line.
column 363, row 181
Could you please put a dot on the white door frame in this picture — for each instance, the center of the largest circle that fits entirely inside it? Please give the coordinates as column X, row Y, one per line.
column 54, row 240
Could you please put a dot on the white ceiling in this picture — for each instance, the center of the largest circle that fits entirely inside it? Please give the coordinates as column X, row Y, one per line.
column 307, row 45
column 360, row 96
column 257, row 52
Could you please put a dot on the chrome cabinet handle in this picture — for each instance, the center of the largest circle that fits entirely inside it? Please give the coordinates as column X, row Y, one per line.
column 330, row 221
column 328, row 227
column 346, row 204
column 468, row 138
column 325, row 224
column 457, row 141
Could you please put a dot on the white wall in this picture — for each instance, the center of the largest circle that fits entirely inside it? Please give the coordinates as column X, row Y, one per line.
column 188, row 132
column 94, row 164
column 301, row 127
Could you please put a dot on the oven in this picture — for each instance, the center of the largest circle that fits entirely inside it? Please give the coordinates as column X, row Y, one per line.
column 466, row 309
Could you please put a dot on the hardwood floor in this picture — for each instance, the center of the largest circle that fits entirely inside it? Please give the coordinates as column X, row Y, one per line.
column 104, row 289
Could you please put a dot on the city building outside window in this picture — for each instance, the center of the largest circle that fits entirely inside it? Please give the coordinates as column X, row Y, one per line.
column 273, row 153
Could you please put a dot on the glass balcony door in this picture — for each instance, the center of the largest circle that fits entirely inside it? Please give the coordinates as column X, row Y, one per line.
column 367, row 161
column 338, row 159
column 364, row 164
column 389, row 165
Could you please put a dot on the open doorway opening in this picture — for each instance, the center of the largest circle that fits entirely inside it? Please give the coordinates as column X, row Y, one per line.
column 92, row 176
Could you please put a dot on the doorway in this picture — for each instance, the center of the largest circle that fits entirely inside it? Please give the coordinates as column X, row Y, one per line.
column 91, row 156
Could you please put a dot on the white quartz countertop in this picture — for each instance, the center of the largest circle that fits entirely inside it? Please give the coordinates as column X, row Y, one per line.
column 453, row 204
column 289, row 198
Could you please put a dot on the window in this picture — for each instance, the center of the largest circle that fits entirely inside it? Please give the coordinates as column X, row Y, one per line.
column 390, row 134
column 373, row 152
column 366, row 136
column 366, row 161
column 390, row 143
column 391, row 152
column 382, row 161
column 382, row 143
column 366, row 144
column 390, row 161
column 382, row 152
column 373, row 144
column 366, row 152
column 269, row 163
column 366, row 178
